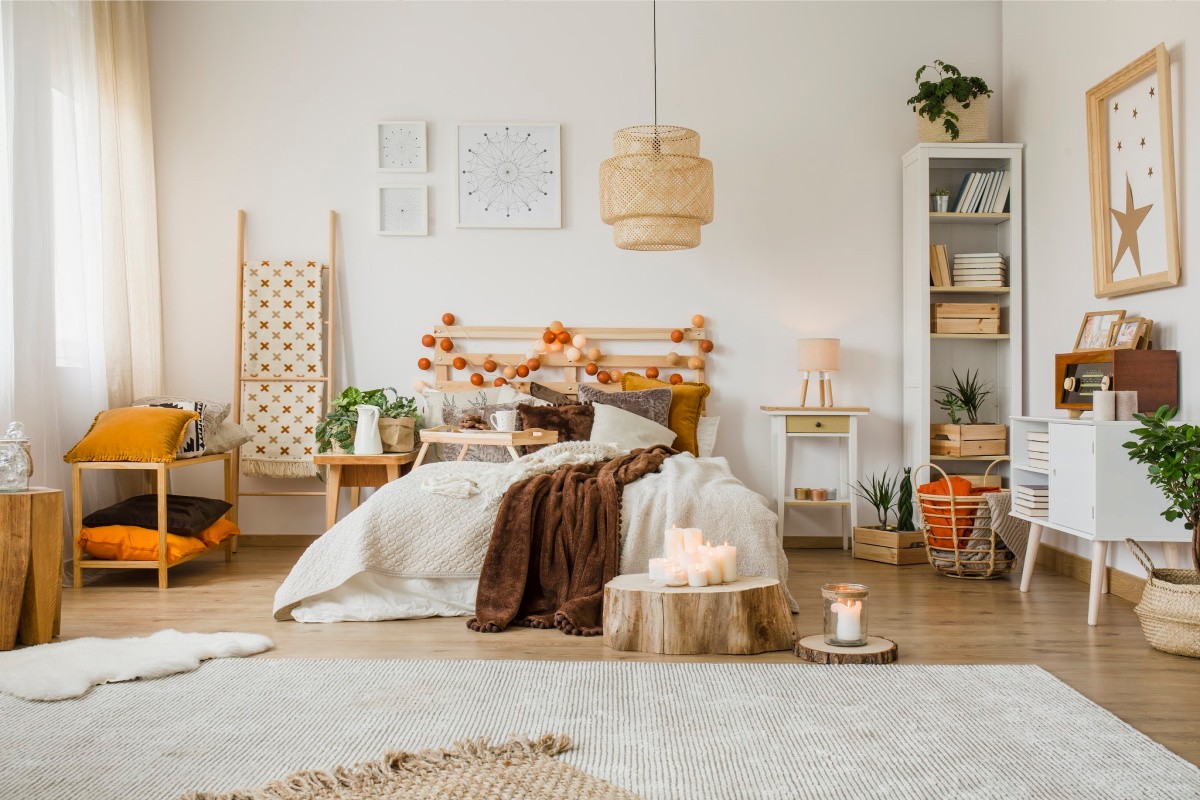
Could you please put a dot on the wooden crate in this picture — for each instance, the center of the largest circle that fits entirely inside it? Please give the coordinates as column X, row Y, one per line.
column 964, row 317
column 968, row 440
column 890, row 547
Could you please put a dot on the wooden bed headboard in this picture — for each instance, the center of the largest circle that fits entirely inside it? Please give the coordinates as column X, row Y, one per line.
column 557, row 372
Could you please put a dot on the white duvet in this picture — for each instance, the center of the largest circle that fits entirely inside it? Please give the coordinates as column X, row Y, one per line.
column 416, row 547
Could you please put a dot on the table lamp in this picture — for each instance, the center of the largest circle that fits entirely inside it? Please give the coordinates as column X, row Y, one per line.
column 822, row 357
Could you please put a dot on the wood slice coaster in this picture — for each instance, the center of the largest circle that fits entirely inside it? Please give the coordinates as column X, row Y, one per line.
column 877, row 650
column 749, row 615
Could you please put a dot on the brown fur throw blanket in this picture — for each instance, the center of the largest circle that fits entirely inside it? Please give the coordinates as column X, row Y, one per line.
column 556, row 542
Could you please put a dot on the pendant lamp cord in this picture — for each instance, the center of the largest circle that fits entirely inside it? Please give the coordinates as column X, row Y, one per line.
column 654, row 51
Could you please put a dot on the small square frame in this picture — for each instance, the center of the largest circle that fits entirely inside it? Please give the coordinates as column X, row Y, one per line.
column 420, row 225
column 1141, row 330
column 1082, row 345
column 415, row 129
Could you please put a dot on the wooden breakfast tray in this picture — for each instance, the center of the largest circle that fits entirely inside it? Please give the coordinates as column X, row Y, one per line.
column 448, row 434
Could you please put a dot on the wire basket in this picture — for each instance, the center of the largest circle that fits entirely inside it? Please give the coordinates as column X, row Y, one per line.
column 960, row 539
column 1170, row 606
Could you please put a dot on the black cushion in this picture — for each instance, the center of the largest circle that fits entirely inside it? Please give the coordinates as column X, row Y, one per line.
column 186, row 516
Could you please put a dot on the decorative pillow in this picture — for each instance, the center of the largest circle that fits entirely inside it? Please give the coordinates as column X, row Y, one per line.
column 653, row 404
column 227, row 436
column 706, row 436
column 215, row 412
column 627, row 430
column 131, row 543
column 133, row 434
column 687, row 407
column 546, row 394
column 492, row 455
column 573, row 423
column 510, row 395
column 193, row 438
column 186, row 515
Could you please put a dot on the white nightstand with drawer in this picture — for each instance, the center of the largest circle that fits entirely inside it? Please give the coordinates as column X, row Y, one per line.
column 809, row 423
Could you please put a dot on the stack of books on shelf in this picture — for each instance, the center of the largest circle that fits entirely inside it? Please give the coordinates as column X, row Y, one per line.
column 1032, row 501
column 939, row 265
column 983, row 192
column 1038, row 444
column 980, row 269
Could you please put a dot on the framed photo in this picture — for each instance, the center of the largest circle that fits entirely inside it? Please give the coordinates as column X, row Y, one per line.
column 400, row 147
column 403, row 210
column 1129, row 333
column 1131, row 161
column 509, row 175
column 1095, row 330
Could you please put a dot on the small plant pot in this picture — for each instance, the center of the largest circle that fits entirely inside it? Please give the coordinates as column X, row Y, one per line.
column 972, row 123
column 939, row 203
column 398, row 434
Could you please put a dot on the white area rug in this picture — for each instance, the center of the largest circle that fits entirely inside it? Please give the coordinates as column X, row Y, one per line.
column 62, row 670
column 663, row 730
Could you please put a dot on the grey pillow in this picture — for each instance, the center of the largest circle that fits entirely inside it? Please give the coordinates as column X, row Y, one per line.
column 227, row 436
column 213, row 415
column 652, row 404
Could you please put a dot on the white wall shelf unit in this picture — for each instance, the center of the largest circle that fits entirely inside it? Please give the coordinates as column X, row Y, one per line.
column 931, row 358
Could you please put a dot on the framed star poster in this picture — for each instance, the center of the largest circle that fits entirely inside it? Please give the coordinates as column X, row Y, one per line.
column 403, row 210
column 400, row 147
column 509, row 175
column 1131, row 160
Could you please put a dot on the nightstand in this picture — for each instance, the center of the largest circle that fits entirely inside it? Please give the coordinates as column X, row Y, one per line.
column 356, row 472
column 811, row 424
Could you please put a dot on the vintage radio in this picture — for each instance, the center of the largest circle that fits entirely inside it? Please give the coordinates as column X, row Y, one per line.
column 1153, row 374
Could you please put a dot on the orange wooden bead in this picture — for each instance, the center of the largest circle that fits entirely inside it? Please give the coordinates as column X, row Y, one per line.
column 549, row 336
column 446, row 345
column 676, row 378
column 533, row 364
column 695, row 362
column 651, row 372
column 564, row 337
column 428, row 340
column 459, row 362
column 676, row 336
column 509, row 372
column 698, row 321
column 489, row 365
column 591, row 369
column 603, row 377
column 706, row 345
column 556, row 326
column 594, row 354
column 424, row 363
column 615, row 374
column 522, row 371
column 447, row 318
column 476, row 379
column 499, row 382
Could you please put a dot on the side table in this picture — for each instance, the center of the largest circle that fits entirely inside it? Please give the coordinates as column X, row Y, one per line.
column 31, row 549
column 356, row 472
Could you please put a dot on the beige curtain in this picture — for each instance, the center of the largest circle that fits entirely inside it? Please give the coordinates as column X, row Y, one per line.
column 132, row 294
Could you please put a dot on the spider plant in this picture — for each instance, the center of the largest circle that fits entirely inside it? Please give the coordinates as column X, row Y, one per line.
column 882, row 492
column 968, row 394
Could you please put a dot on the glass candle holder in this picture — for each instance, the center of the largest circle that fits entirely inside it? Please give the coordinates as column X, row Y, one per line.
column 845, row 614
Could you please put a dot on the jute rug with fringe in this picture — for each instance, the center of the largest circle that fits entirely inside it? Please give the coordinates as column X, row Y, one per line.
column 475, row 769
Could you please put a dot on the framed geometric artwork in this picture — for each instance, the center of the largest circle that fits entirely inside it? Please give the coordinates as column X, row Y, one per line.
column 509, row 175
column 400, row 147
column 1131, row 164
column 403, row 210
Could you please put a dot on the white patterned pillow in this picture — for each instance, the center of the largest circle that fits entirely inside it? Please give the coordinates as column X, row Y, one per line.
column 706, row 436
column 193, row 436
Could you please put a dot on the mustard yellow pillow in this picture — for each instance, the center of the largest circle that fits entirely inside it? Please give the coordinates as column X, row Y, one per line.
column 133, row 434
column 687, row 406
column 131, row 543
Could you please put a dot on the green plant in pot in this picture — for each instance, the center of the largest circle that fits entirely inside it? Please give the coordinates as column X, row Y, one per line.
column 904, row 503
column 1172, row 456
column 397, row 420
column 881, row 492
column 948, row 101
column 966, row 396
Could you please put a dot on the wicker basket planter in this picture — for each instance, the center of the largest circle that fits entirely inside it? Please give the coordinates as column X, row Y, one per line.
column 1170, row 606
column 959, row 536
column 972, row 123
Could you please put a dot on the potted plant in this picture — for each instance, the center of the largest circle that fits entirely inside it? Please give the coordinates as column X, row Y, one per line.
column 940, row 199
column 952, row 108
column 971, row 438
column 397, row 420
column 889, row 544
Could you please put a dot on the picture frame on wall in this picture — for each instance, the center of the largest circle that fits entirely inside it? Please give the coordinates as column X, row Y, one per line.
column 1130, row 333
column 1096, row 328
column 402, row 210
column 509, row 175
column 1131, row 165
column 401, row 146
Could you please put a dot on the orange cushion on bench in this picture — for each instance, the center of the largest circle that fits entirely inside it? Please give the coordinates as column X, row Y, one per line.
column 131, row 543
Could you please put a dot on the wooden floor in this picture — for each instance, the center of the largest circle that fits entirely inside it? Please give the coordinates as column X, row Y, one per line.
column 935, row 620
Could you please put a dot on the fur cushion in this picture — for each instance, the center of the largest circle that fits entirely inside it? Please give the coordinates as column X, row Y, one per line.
column 573, row 423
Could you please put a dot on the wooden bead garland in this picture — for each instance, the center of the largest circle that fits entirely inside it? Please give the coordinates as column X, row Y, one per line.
column 594, row 354
column 556, row 326
column 651, row 372
column 424, row 363
column 522, row 371
column 447, row 318
column 549, row 336
column 676, row 379
column 706, row 345
column 534, row 364
column 489, row 365
column 509, row 372
column 499, row 382
column 591, row 368
column 476, row 379
column 428, row 340
column 603, row 377
column 459, row 362
column 695, row 362
column 564, row 337
column 698, row 321
column 446, row 345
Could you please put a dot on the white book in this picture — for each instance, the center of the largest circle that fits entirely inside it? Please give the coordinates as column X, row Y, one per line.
column 985, row 197
column 979, row 255
column 1037, row 436
column 1001, row 198
column 1031, row 493
column 1038, row 447
column 980, row 188
column 981, row 284
column 965, row 195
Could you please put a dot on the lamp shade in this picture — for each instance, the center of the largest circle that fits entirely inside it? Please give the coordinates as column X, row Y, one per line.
column 818, row 355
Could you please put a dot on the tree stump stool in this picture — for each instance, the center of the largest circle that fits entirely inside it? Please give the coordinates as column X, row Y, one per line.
column 877, row 650
column 747, row 616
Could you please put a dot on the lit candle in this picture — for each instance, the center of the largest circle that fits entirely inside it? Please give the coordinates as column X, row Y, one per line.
column 672, row 542
column 658, row 569
column 727, row 555
column 676, row 576
column 693, row 538
column 697, row 575
column 849, row 626
column 712, row 563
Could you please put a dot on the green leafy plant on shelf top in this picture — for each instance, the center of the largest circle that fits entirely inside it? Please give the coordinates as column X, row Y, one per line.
column 881, row 492
column 1172, row 455
column 966, row 396
column 339, row 424
column 930, row 99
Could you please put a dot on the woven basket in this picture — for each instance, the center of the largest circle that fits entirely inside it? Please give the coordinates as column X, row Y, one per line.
column 1170, row 606
column 959, row 537
column 972, row 123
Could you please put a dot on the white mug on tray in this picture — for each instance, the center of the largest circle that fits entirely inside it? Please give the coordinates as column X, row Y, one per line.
column 504, row 420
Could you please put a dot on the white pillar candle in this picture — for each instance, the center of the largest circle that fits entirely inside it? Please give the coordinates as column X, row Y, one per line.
column 712, row 563
column 676, row 576
column 849, row 625
column 697, row 575
column 692, row 538
column 1104, row 406
column 658, row 569
column 672, row 542
column 727, row 555
column 1127, row 406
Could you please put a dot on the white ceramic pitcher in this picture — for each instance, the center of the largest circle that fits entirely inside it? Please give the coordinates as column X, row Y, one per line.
column 366, row 437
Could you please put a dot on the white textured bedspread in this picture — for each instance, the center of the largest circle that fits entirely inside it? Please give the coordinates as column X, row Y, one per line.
column 405, row 531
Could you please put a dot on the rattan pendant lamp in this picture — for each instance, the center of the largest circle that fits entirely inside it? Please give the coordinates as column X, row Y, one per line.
column 656, row 191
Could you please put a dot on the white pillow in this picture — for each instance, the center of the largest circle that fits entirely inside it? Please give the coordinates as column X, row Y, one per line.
column 627, row 430
column 706, row 435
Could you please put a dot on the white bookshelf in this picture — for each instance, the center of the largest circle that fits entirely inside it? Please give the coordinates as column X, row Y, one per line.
column 931, row 358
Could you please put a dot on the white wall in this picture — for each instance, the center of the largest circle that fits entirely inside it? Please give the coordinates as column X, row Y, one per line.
column 270, row 107
column 1053, row 53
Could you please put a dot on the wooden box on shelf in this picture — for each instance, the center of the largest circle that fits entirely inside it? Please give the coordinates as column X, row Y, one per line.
column 968, row 440
column 890, row 547
column 965, row 317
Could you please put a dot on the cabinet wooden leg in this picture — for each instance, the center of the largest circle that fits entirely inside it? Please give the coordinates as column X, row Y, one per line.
column 1031, row 549
column 333, row 488
column 1096, row 586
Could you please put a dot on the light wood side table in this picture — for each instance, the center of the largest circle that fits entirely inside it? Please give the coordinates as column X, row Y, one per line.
column 355, row 472
column 31, row 549
column 810, row 424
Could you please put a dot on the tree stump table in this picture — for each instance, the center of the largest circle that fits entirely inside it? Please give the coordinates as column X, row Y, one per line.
column 747, row 616
column 877, row 650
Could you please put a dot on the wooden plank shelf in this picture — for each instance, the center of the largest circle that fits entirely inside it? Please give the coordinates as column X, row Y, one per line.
column 842, row 503
column 967, row 219
column 969, row 458
column 969, row 289
column 980, row 336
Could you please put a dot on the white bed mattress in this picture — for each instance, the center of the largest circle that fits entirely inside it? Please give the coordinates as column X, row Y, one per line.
column 370, row 597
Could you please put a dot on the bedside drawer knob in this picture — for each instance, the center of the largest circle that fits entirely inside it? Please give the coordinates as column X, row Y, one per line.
column 818, row 424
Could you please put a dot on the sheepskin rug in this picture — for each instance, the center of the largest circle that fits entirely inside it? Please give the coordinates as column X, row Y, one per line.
column 61, row 670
